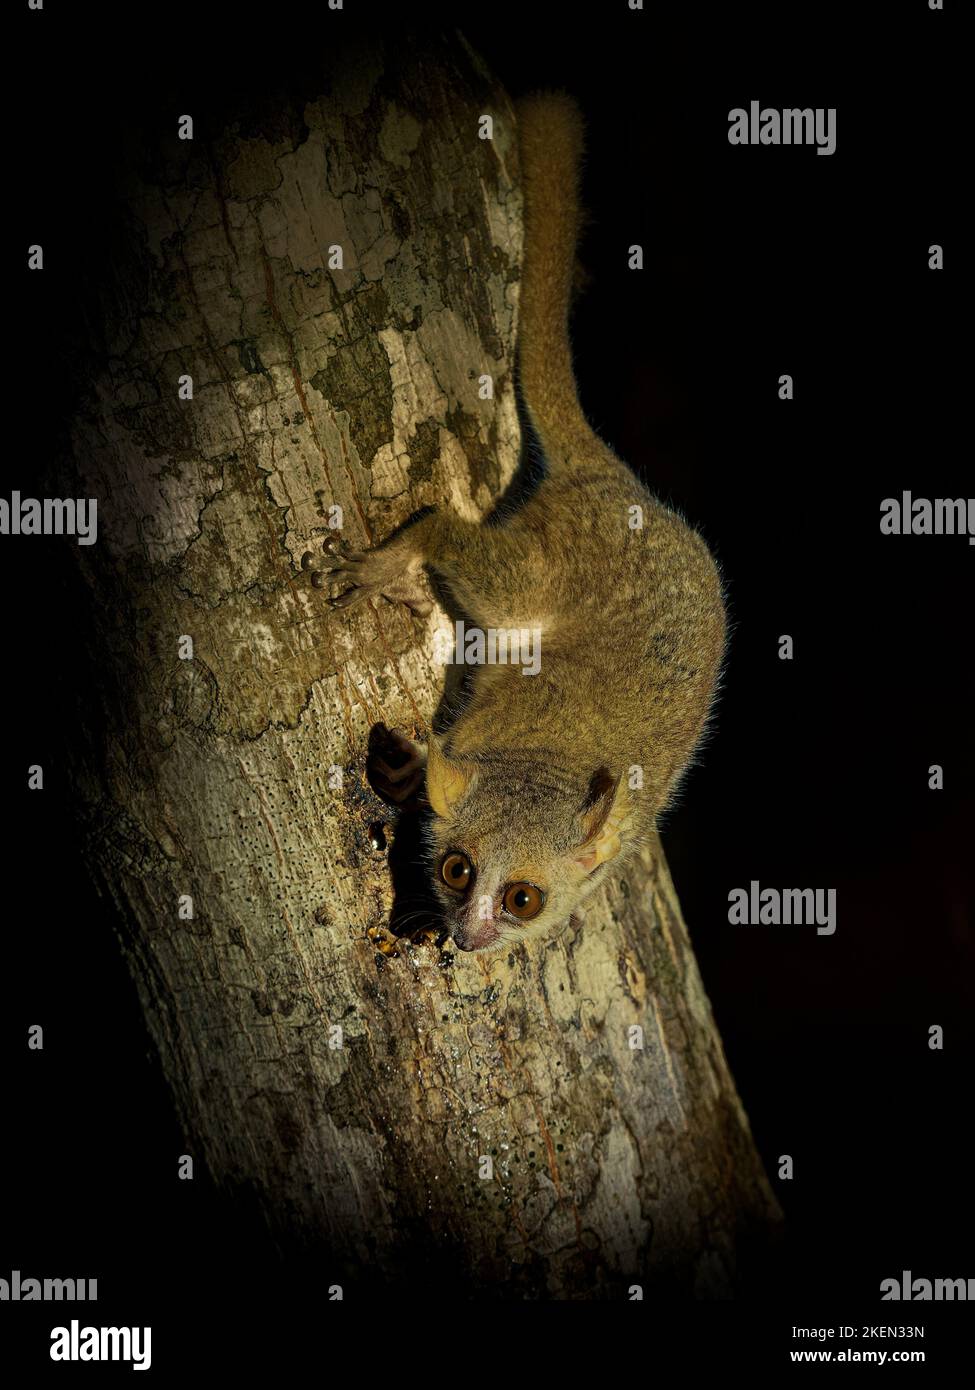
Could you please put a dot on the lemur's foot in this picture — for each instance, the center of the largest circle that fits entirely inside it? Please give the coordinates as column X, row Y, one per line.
column 395, row 766
column 390, row 570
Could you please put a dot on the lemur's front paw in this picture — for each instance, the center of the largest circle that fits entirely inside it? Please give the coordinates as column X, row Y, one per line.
column 386, row 570
column 395, row 766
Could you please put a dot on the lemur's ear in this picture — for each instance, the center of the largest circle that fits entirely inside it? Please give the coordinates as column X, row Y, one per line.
column 448, row 780
column 602, row 812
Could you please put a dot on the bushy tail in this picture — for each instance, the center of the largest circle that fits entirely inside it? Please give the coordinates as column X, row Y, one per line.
column 550, row 137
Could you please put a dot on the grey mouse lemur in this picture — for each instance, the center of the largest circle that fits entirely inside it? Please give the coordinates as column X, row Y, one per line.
column 544, row 781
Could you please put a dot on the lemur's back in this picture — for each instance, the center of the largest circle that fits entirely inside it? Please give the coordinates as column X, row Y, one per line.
column 626, row 595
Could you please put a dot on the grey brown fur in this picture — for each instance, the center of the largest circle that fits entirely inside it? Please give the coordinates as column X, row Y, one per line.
column 534, row 781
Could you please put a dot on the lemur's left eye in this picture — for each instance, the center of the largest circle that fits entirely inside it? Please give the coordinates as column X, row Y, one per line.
column 456, row 871
column 523, row 900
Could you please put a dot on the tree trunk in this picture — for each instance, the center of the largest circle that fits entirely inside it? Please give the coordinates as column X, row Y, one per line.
column 354, row 1082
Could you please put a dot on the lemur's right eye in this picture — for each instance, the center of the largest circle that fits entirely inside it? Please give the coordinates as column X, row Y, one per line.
column 456, row 871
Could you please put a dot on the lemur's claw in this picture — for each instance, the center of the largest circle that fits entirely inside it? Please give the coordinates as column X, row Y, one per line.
column 351, row 597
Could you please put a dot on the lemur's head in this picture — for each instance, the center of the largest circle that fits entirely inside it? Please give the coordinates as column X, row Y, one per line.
column 513, row 856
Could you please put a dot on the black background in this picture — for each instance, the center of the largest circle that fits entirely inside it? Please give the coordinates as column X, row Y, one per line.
column 758, row 262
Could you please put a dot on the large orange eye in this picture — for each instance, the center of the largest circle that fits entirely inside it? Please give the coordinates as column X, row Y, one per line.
column 456, row 871
column 523, row 900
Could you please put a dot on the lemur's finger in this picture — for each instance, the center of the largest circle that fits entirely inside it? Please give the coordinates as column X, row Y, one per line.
column 350, row 597
column 397, row 774
column 421, row 607
column 330, row 545
column 342, row 564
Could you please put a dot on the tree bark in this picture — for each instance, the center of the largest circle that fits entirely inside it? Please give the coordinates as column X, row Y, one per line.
column 616, row 1161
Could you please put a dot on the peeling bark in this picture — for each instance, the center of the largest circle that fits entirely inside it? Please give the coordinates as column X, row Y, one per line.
column 210, row 777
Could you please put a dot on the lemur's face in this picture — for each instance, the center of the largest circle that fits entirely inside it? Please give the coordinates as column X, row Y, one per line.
column 510, row 862
column 490, row 900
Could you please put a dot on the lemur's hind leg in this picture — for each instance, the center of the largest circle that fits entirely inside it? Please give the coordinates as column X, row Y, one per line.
column 486, row 568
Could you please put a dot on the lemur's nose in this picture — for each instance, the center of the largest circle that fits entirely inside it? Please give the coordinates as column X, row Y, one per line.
column 466, row 939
